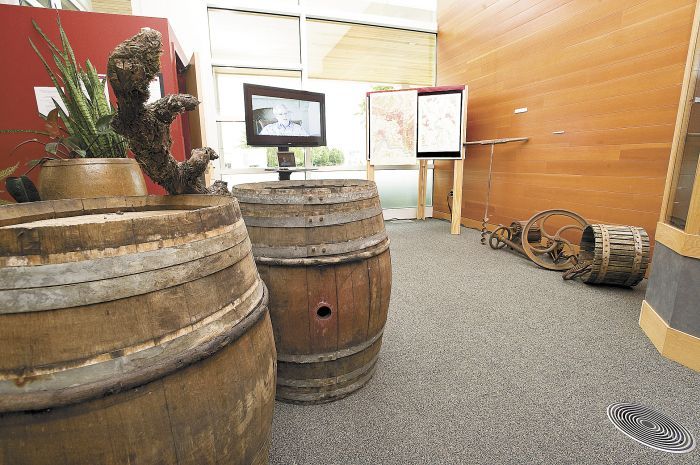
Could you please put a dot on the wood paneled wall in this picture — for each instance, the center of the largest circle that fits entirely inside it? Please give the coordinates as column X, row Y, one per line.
column 607, row 73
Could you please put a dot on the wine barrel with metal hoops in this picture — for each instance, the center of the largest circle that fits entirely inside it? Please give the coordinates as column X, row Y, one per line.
column 616, row 255
column 134, row 330
column 323, row 252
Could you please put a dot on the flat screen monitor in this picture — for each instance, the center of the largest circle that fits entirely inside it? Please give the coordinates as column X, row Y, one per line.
column 276, row 117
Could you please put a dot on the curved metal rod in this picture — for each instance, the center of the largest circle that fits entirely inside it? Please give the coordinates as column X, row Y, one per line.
column 556, row 246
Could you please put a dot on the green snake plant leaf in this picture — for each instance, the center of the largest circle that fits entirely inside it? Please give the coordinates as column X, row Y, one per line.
column 46, row 38
column 51, row 147
column 103, row 123
column 26, row 131
column 8, row 171
column 67, row 49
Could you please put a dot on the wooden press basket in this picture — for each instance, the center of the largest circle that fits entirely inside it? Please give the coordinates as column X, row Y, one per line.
column 619, row 255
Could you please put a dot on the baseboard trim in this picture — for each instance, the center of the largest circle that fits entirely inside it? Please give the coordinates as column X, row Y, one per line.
column 466, row 222
column 408, row 213
column 671, row 343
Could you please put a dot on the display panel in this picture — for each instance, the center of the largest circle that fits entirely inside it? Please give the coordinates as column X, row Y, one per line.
column 392, row 127
column 284, row 117
column 440, row 124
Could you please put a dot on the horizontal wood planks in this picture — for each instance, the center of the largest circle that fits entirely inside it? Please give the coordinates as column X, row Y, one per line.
column 608, row 74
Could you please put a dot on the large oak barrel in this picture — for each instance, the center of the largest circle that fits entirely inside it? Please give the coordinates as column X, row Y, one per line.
column 618, row 255
column 322, row 249
column 133, row 330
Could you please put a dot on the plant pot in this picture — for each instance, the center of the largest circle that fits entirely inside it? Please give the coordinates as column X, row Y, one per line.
column 81, row 178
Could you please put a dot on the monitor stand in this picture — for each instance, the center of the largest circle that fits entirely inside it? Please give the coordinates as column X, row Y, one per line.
column 287, row 164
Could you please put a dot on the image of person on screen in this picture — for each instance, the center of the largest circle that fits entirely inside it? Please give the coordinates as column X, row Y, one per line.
column 283, row 126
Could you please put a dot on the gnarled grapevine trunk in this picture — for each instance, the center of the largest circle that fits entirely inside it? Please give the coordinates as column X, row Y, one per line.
column 131, row 67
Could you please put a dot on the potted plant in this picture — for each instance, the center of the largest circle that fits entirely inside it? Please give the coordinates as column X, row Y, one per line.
column 6, row 173
column 84, row 156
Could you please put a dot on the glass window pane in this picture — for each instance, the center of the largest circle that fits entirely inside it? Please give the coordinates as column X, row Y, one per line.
column 242, row 178
column 345, row 122
column 685, row 180
column 397, row 188
column 235, row 153
column 369, row 53
column 687, row 162
column 229, row 87
column 275, row 3
column 68, row 5
column 44, row 3
column 355, row 174
column 413, row 10
column 254, row 39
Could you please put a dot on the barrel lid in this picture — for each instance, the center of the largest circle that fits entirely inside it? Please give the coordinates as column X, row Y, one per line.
column 65, row 230
column 315, row 191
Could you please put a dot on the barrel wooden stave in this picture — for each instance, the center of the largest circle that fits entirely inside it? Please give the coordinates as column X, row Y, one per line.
column 614, row 257
column 321, row 244
column 232, row 393
column 181, row 361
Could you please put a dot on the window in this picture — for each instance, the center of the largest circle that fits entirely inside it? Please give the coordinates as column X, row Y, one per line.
column 370, row 53
column 359, row 47
column 75, row 5
column 686, row 163
column 234, row 152
column 412, row 10
column 254, row 39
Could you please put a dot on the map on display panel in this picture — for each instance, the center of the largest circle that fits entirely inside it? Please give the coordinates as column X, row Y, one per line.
column 393, row 127
column 439, row 117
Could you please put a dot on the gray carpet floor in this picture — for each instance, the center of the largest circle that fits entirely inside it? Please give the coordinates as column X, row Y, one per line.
column 488, row 359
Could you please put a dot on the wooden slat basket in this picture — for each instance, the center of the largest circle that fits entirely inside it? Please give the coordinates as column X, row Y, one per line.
column 619, row 255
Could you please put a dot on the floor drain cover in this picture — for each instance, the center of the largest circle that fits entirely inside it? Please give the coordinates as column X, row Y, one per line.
column 651, row 428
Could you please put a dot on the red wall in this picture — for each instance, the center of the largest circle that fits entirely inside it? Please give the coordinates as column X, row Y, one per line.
column 93, row 36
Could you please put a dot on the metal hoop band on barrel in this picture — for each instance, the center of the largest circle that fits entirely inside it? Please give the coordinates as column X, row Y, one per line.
column 329, row 356
column 320, row 195
column 320, row 382
column 318, row 250
column 71, row 383
column 313, row 221
column 638, row 256
column 369, row 252
column 294, row 396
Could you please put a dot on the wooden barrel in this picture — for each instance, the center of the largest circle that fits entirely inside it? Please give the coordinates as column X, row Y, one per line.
column 323, row 252
column 618, row 255
column 134, row 330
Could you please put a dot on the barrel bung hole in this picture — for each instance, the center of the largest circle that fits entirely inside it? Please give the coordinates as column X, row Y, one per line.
column 323, row 312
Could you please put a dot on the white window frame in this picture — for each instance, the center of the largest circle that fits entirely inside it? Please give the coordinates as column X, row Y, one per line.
column 56, row 4
column 303, row 13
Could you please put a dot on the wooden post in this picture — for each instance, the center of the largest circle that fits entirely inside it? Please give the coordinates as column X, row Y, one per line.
column 457, row 196
column 422, row 189
column 370, row 171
